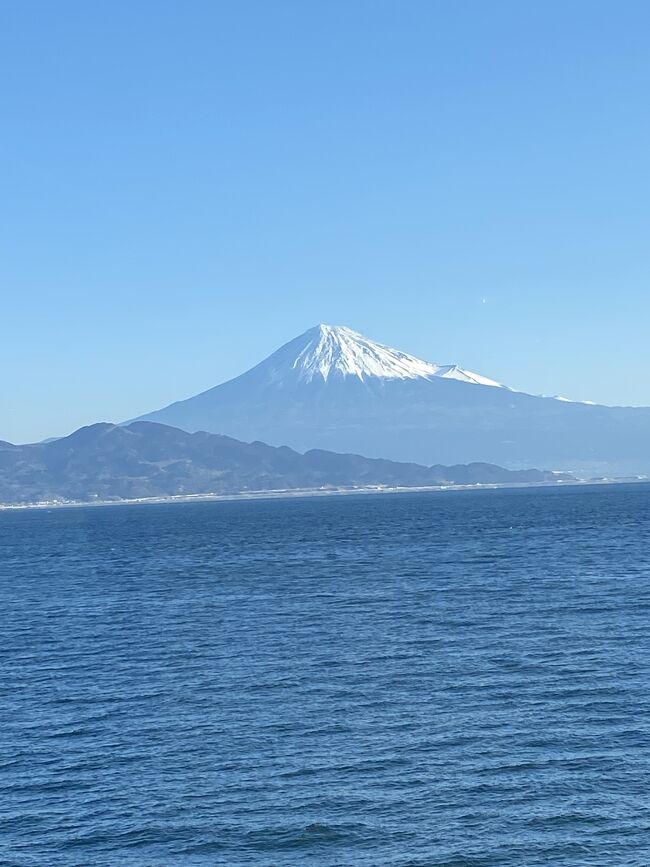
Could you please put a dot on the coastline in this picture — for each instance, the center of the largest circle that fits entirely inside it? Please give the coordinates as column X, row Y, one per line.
column 291, row 493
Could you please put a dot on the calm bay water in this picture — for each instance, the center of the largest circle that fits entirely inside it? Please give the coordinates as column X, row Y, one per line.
column 422, row 679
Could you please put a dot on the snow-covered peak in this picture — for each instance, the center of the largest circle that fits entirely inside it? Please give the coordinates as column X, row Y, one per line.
column 327, row 351
column 331, row 350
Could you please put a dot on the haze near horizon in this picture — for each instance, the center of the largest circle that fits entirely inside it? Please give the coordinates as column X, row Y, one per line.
column 189, row 189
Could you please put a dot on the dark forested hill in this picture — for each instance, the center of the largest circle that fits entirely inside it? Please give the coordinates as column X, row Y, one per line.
column 145, row 459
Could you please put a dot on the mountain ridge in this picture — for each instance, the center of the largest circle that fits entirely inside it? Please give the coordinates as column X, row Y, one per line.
column 145, row 459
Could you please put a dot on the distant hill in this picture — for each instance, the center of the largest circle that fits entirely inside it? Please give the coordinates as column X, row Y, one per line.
column 144, row 459
column 332, row 388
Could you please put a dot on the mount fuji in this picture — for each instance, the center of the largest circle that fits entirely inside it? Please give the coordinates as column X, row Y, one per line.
column 332, row 388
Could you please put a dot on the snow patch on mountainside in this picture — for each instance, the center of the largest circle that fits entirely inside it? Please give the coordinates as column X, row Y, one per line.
column 568, row 399
column 453, row 371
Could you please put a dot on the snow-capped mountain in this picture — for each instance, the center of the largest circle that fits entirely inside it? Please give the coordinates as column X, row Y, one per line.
column 333, row 388
column 336, row 351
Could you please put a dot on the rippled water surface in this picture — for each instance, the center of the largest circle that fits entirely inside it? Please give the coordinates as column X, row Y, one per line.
column 423, row 679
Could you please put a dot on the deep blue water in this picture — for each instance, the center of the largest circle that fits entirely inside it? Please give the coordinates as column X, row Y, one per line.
column 424, row 679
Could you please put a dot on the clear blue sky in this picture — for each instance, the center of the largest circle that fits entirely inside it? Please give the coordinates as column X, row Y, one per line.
column 187, row 185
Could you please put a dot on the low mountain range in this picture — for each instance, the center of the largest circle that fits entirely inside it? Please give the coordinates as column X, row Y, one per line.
column 145, row 459
column 331, row 388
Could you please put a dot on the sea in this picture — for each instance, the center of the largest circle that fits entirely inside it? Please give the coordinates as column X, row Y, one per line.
column 441, row 679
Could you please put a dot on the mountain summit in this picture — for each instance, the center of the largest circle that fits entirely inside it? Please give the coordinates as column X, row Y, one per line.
column 327, row 351
column 332, row 388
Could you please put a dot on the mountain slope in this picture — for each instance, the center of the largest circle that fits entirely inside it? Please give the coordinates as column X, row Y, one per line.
column 332, row 388
column 144, row 459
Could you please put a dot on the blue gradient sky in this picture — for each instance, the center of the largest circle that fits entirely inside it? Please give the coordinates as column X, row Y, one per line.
column 186, row 186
